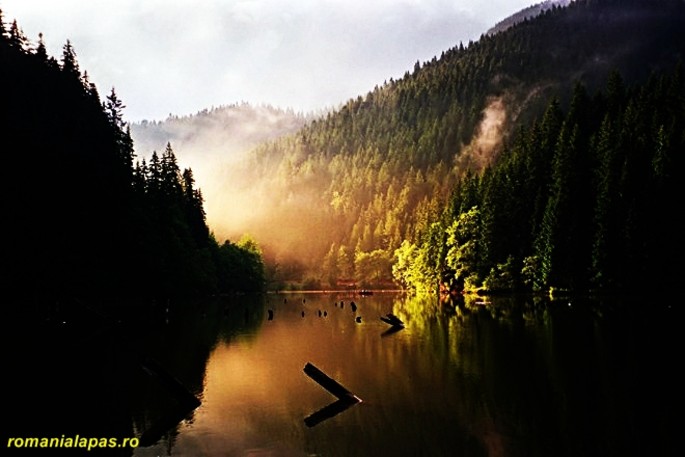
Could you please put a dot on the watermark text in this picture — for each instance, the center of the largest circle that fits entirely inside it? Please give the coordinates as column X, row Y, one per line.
column 81, row 442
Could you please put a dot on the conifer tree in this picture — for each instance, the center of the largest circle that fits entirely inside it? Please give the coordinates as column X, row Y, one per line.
column 606, row 241
column 170, row 176
column 194, row 210
column 41, row 50
column 16, row 37
column 121, row 130
column 69, row 62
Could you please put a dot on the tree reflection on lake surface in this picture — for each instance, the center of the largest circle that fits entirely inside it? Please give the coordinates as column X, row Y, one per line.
column 490, row 377
column 497, row 377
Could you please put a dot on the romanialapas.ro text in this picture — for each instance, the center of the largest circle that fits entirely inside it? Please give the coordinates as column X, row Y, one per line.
column 76, row 441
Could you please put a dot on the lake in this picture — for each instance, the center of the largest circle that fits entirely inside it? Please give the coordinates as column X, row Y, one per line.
column 484, row 377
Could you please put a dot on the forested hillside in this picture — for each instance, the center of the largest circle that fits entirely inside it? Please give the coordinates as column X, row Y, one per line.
column 349, row 189
column 585, row 199
column 81, row 216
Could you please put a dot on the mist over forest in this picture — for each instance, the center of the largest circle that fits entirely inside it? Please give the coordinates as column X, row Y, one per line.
column 402, row 186
column 511, row 206
column 333, row 197
column 212, row 142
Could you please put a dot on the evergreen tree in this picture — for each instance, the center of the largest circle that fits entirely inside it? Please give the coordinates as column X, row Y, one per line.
column 41, row 50
column 606, row 253
column 16, row 38
column 194, row 210
column 120, row 130
column 69, row 63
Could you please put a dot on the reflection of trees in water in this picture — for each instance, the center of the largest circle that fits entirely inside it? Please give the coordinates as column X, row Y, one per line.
column 182, row 346
column 241, row 316
column 533, row 370
column 420, row 310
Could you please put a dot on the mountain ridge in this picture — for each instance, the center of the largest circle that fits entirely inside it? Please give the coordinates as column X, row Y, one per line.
column 377, row 170
column 526, row 13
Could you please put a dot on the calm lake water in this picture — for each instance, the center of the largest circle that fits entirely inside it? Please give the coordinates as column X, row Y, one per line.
column 495, row 377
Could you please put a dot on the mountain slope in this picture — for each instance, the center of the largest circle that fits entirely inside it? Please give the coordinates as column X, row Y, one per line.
column 342, row 194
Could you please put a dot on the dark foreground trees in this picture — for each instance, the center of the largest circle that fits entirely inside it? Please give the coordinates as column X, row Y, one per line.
column 80, row 216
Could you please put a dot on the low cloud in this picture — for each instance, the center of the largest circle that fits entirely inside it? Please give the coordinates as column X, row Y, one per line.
column 487, row 141
column 179, row 57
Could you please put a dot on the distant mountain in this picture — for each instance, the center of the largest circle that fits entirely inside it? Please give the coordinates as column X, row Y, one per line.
column 526, row 13
column 221, row 131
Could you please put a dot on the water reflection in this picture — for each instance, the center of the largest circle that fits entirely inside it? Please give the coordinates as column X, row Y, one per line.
column 346, row 399
column 496, row 377
column 329, row 411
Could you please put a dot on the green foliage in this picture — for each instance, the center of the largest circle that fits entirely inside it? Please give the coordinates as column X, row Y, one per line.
column 608, row 218
column 503, row 276
column 578, row 192
column 372, row 268
column 412, row 269
column 380, row 169
column 463, row 240
column 530, row 273
column 241, row 268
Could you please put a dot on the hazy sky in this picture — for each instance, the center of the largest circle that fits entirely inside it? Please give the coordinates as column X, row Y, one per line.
column 180, row 56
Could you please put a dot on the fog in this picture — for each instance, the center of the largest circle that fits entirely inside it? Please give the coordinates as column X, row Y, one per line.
column 184, row 56
column 486, row 143
column 217, row 145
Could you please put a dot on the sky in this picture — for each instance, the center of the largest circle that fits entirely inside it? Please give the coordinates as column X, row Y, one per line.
column 177, row 57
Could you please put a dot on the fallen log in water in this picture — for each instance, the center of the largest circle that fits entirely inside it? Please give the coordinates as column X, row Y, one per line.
column 328, row 383
column 345, row 399
column 392, row 320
